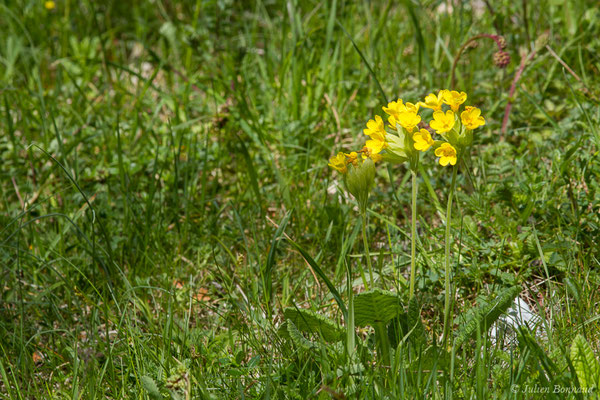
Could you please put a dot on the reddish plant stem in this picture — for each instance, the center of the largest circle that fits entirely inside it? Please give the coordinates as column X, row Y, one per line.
column 513, row 87
column 496, row 39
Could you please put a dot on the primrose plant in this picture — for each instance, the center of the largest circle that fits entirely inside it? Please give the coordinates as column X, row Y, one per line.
column 449, row 133
column 401, row 142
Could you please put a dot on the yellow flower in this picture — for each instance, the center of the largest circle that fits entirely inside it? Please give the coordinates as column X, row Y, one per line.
column 454, row 99
column 375, row 146
column 50, row 5
column 352, row 157
column 371, row 152
column 413, row 108
column 432, row 101
column 338, row 163
column 471, row 118
column 408, row 120
column 423, row 140
column 375, row 129
column 447, row 154
column 442, row 122
column 395, row 108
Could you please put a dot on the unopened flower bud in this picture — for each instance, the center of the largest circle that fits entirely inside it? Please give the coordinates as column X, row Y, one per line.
column 360, row 180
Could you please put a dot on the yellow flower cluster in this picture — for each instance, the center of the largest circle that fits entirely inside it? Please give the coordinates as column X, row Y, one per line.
column 456, row 131
column 408, row 135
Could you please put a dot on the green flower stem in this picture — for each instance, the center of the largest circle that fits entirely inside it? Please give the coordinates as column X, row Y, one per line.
column 413, row 235
column 366, row 246
column 447, row 307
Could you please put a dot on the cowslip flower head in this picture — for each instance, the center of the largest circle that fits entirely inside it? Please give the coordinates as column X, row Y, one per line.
column 442, row 123
column 423, row 140
column 395, row 108
column 471, row 118
column 447, row 154
column 338, row 162
column 50, row 5
column 432, row 101
column 408, row 120
column 454, row 99
column 375, row 128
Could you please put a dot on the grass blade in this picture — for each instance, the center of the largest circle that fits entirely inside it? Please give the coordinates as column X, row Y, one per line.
column 317, row 269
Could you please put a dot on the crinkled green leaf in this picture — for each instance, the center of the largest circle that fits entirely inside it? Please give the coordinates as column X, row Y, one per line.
column 297, row 337
column 311, row 322
column 151, row 387
column 485, row 314
column 585, row 363
column 376, row 306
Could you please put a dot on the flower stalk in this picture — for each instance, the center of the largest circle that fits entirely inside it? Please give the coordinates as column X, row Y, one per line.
column 413, row 235
column 366, row 248
column 447, row 283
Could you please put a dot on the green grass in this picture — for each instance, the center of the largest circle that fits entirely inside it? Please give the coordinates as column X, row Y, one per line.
column 165, row 196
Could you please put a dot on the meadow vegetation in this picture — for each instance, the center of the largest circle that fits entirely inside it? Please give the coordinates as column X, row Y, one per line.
column 170, row 227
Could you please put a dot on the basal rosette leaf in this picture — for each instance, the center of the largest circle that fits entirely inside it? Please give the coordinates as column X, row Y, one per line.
column 585, row 363
column 376, row 306
column 484, row 315
column 310, row 322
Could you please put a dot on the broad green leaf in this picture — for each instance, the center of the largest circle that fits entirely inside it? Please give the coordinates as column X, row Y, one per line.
column 297, row 337
column 376, row 306
column 311, row 322
column 585, row 363
column 150, row 386
column 282, row 331
column 486, row 314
